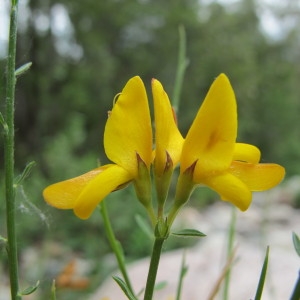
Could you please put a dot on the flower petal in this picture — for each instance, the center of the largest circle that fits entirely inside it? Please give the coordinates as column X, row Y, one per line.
column 212, row 135
column 98, row 188
column 246, row 152
column 64, row 194
column 258, row 177
column 231, row 189
column 128, row 128
column 167, row 136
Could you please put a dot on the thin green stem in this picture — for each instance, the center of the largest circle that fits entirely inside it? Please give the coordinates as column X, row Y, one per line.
column 231, row 235
column 155, row 258
column 296, row 292
column 181, row 67
column 9, row 155
column 183, row 270
column 115, row 245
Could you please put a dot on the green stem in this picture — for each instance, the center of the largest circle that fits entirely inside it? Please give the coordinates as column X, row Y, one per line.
column 157, row 247
column 9, row 155
column 181, row 67
column 115, row 245
column 231, row 235
column 183, row 270
column 296, row 292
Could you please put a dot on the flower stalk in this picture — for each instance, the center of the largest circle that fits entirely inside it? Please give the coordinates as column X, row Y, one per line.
column 9, row 154
column 154, row 262
column 115, row 245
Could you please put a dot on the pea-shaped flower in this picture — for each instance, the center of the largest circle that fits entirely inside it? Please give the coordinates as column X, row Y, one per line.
column 127, row 143
column 210, row 155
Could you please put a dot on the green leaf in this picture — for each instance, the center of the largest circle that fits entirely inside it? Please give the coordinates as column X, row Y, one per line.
column 30, row 289
column 296, row 291
column 296, row 242
column 160, row 285
column 3, row 239
column 183, row 271
column 189, row 233
column 53, row 291
column 21, row 70
column 122, row 284
column 4, row 124
column 25, row 173
column 262, row 278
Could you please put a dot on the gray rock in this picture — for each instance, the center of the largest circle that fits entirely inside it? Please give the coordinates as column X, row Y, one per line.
column 267, row 222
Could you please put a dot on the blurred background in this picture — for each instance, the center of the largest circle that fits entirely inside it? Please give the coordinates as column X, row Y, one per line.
column 82, row 54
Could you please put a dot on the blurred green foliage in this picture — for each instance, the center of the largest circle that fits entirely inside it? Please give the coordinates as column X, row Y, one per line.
column 83, row 52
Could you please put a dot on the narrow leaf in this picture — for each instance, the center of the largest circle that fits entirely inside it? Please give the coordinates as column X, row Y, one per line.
column 230, row 241
column 189, row 233
column 160, row 285
column 296, row 242
column 21, row 70
column 262, row 278
column 122, row 284
column 25, row 173
column 2, row 239
column 183, row 271
column 296, row 292
column 4, row 124
column 53, row 291
column 30, row 289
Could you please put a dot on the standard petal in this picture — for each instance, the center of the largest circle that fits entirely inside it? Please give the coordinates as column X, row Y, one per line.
column 246, row 152
column 98, row 188
column 231, row 189
column 212, row 135
column 167, row 136
column 128, row 128
column 64, row 194
column 258, row 177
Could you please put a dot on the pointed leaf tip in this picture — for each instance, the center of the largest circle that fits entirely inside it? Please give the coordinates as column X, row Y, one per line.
column 296, row 242
column 189, row 233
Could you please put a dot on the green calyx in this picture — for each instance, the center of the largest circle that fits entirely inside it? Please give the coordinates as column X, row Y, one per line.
column 162, row 183
column 184, row 189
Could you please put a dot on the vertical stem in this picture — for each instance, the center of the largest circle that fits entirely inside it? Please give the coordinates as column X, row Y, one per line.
column 9, row 154
column 296, row 292
column 157, row 247
column 231, row 235
column 183, row 270
column 115, row 245
column 181, row 67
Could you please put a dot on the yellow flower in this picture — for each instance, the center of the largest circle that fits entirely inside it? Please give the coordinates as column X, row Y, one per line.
column 168, row 139
column 168, row 143
column 127, row 143
column 211, row 156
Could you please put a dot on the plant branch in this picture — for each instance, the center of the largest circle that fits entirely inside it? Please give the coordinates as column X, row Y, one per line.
column 9, row 154
column 155, row 258
column 115, row 245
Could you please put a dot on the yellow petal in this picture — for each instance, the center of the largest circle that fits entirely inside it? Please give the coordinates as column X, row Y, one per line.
column 212, row 135
column 98, row 188
column 246, row 152
column 128, row 128
column 64, row 194
column 167, row 136
column 258, row 177
column 231, row 189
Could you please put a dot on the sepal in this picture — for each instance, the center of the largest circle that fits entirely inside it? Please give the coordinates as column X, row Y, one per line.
column 162, row 183
column 142, row 183
column 162, row 229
